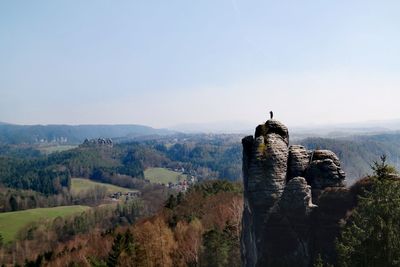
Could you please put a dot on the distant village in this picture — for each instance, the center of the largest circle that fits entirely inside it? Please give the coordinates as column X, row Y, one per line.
column 181, row 186
column 55, row 140
column 184, row 184
column 125, row 195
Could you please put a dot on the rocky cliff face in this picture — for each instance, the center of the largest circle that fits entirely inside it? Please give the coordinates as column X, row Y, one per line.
column 280, row 220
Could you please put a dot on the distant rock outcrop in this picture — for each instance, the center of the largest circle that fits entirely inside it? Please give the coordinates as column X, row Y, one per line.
column 280, row 220
column 98, row 142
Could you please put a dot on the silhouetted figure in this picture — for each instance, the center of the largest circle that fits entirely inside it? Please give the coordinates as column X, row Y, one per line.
column 271, row 114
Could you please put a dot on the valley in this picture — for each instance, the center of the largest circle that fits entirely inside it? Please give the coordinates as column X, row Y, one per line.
column 124, row 185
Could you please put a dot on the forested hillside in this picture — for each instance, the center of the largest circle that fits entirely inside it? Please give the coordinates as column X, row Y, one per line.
column 221, row 154
column 199, row 228
column 24, row 167
column 50, row 174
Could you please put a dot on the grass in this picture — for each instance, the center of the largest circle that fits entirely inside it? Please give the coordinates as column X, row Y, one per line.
column 163, row 176
column 80, row 184
column 12, row 222
column 57, row 148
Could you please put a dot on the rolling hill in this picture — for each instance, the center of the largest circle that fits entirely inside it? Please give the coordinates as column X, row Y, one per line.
column 12, row 222
column 71, row 134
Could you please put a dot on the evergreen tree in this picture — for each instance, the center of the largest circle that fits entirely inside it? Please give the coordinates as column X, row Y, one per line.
column 171, row 202
column 116, row 250
column 129, row 243
column 381, row 169
column 319, row 262
column 216, row 249
column 371, row 235
column 122, row 250
column 179, row 198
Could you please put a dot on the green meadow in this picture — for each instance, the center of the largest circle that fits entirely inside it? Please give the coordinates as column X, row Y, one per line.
column 12, row 222
column 162, row 175
column 56, row 148
column 80, row 184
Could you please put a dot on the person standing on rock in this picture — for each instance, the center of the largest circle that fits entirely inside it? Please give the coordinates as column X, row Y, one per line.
column 271, row 114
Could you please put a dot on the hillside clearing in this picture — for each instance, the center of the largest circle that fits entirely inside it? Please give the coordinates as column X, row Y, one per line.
column 57, row 148
column 80, row 184
column 12, row 222
column 163, row 176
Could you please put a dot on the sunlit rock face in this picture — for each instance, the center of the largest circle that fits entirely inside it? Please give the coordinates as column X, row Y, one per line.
column 264, row 171
column 324, row 170
column 299, row 159
column 278, row 207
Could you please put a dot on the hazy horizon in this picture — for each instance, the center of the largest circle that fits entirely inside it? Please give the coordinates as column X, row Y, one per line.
column 244, row 127
column 171, row 63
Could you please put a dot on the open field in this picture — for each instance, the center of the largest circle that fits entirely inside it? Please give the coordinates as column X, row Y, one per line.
column 162, row 175
column 57, row 148
column 12, row 222
column 80, row 184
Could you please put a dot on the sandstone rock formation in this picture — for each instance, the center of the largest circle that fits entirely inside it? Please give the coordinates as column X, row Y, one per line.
column 279, row 217
column 324, row 170
column 299, row 159
column 296, row 199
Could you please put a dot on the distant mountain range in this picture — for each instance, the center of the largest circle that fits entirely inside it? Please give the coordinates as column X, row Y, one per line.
column 13, row 133
column 215, row 127
column 347, row 129
column 71, row 134
column 317, row 130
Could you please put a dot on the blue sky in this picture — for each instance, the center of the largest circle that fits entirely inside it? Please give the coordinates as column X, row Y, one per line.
column 163, row 63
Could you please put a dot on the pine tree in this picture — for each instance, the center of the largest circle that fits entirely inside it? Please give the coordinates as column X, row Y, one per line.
column 216, row 249
column 381, row 169
column 171, row 202
column 129, row 243
column 116, row 250
column 371, row 235
column 318, row 261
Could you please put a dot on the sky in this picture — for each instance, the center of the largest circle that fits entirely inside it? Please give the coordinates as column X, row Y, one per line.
column 166, row 63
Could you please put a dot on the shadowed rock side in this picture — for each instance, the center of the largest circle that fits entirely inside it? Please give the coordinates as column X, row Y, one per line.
column 279, row 216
